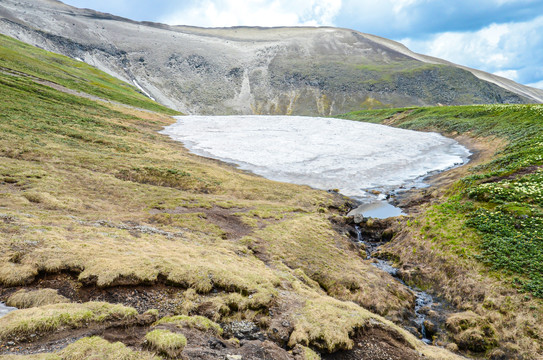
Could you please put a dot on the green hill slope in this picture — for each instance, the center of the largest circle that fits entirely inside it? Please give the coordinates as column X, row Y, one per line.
column 18, row 57
column 483, row 236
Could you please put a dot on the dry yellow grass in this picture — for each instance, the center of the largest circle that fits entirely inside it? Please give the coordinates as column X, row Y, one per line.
column 307, row 244
column 198, row 322
column 328, row 324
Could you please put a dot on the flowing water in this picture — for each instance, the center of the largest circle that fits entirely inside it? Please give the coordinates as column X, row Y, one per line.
column 422, row 299
column 4, row 309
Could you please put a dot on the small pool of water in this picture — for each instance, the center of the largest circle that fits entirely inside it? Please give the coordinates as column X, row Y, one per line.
column 379, row 210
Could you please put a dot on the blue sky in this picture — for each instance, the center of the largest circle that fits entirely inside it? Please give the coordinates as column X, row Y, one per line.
column 504, row 37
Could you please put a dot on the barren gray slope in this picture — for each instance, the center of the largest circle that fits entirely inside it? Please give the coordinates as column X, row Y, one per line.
column 305, row 71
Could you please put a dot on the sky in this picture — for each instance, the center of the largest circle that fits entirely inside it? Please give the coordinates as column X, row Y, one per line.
column 503, row 37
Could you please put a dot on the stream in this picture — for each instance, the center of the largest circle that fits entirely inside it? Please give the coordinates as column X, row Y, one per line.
column 423, row 300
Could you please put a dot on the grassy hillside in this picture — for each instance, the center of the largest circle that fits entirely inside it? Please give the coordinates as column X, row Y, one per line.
column 493, row 215
column 75, row 75
column 502, row 199
column 97, row 206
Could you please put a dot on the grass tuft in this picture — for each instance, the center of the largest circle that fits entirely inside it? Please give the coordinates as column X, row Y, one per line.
column 198, row 322
column 166, row 342
column 24, row 299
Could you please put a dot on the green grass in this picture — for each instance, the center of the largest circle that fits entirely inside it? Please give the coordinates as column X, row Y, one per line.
column 73, row 74
column 502, row 200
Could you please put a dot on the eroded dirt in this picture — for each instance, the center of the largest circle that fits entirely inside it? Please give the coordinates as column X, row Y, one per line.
column 225, row 219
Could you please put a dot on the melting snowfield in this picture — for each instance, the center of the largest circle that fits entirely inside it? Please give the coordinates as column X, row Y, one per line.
column 323, row 153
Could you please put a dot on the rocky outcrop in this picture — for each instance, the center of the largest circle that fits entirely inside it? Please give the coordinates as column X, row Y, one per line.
column 302, row 71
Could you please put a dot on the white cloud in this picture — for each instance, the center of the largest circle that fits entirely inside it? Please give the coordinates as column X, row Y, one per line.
column 221, row 13
column 538, row 84
column 504, row 49
column 509, row 74
column 401, row 5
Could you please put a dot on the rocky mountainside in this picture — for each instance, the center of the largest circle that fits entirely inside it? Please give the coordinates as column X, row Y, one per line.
column 304, row 71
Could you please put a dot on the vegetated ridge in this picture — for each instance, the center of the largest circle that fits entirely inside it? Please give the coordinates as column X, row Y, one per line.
column 301, row 71
column 479, row 243
column 115, row 242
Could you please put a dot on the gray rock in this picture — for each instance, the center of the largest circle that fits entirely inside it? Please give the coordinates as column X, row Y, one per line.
column 234, row 357
column 243, row 330
column 358, row 218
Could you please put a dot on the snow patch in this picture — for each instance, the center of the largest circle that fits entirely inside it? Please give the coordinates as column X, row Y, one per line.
column 323, row 153
column 142, row 90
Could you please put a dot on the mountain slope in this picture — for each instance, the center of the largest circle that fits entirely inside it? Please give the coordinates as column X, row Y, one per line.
column 99, row 208
column 304, row 71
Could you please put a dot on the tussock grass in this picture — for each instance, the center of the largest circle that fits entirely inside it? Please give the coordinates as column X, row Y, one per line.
column 327, row 324
column 166, row 342
column 49, row 318
column 24, row 299
column 298, row 243
column 472, row 332
column 198, row 322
